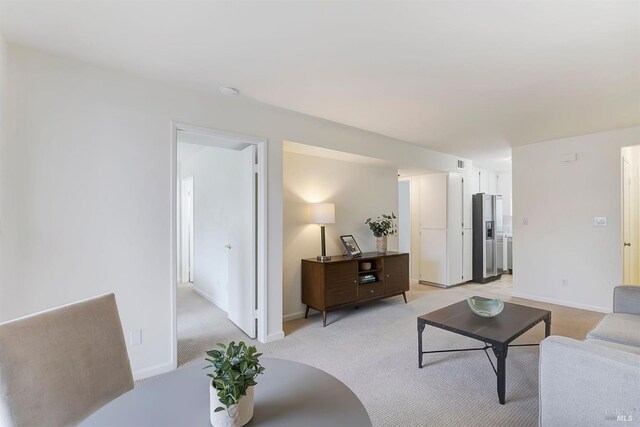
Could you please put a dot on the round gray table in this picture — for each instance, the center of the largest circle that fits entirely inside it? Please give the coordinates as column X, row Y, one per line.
column 288, row 394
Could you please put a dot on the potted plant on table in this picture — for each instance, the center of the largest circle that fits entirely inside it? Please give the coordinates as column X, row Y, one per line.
column 235, row 368
column 382, row 227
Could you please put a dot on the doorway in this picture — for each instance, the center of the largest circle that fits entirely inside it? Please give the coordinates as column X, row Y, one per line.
column 404, row 215
column 630, row 168
column 219, row 265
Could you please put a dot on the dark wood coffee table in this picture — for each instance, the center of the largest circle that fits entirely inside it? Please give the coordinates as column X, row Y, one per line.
column 496, row 332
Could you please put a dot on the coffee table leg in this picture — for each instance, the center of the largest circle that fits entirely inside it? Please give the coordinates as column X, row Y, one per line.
column 547, row 326
column 501, row 355
column 420, row 330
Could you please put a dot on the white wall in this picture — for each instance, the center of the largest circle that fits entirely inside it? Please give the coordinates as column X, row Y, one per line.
column 216, row 197
column 359, row 191
column 560, row 201
column 87, row 188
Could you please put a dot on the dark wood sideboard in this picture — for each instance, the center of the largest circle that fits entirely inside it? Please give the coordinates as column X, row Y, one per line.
column 335, row 284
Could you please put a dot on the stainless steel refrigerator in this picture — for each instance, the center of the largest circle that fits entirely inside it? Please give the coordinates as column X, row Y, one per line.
column 488, row 238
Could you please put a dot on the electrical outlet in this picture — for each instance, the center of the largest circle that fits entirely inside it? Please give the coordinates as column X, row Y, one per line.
column 525, row 221
column 600, row 221
column 564, row 283
column 135, row 337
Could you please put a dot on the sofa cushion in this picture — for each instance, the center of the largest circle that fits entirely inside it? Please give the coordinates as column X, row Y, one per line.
column 618, row 328
column 614, row 345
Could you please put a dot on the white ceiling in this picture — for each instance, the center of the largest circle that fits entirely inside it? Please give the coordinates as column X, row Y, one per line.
column 467, row 77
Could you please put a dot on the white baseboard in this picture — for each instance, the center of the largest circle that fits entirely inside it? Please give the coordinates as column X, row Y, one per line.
column 275, row 337
column 152, row 371
column 211, row 299
column 562, row 302
column 293, row 316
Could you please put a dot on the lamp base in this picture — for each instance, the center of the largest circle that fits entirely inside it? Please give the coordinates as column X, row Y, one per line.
column 323, row 258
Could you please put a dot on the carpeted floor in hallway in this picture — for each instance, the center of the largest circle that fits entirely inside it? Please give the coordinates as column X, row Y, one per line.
column 373, row 350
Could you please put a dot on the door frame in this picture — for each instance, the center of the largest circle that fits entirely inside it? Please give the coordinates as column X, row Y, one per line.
column 261, row 222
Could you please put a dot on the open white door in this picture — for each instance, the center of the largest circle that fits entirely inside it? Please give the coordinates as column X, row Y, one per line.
column 186, row 232
column 242, row 250
column 626, row 221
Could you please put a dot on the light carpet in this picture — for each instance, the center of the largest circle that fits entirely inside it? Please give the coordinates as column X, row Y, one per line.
column 373, row 350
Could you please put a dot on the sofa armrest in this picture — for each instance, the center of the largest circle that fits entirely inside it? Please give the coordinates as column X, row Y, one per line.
column 585, row 384
column 626, row 299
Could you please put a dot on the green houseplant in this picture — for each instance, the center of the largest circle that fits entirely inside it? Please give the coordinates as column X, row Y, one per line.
column 381, row 227
column 235, row 369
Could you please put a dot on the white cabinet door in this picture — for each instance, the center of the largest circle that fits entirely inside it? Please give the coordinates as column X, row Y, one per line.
column 433, row 256
column 474, row 182
column 455, row 204
column 467, row 201
column 433, row 201
column 484, row 181
column 455, row 251
column 492, row 183
column 467, row 252
column 504, row 189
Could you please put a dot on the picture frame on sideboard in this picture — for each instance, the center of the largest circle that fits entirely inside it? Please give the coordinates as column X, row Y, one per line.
column 350, row 245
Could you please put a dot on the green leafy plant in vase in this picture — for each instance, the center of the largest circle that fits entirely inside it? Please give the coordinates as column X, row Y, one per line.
column 235, row 369
column 381, row 227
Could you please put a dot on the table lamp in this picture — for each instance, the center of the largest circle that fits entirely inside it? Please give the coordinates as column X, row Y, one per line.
column 323, row 213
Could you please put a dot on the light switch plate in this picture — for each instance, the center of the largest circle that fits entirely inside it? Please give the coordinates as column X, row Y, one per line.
column 600, row 221
column 135, row 337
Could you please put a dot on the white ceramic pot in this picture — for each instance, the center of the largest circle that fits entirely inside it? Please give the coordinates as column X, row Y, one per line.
column 236, row 416
column 381, row 244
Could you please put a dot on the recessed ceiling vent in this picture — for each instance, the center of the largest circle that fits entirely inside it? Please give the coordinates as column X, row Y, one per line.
column 460, row 164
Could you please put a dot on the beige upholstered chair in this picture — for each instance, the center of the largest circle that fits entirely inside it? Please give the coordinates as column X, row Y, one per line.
column 59, row 366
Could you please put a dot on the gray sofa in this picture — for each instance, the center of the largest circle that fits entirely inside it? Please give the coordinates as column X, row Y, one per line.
column 596, row 381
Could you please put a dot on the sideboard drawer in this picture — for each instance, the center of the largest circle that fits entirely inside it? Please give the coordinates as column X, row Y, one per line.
column 370, row 291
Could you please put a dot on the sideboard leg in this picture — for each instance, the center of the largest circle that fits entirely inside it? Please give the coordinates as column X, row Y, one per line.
column 306, row 312
column 324, row 319
column 404, row 295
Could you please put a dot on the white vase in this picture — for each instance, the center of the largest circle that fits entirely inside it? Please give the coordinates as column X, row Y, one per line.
column 236, row 416
column 381, row 244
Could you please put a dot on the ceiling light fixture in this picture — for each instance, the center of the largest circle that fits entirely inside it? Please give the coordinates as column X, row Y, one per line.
column 229, row 91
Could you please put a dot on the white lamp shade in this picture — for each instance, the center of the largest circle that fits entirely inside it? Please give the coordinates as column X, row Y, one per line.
column 322, row 213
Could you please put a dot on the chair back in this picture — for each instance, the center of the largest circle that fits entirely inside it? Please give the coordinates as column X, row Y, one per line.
column 59, row 366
